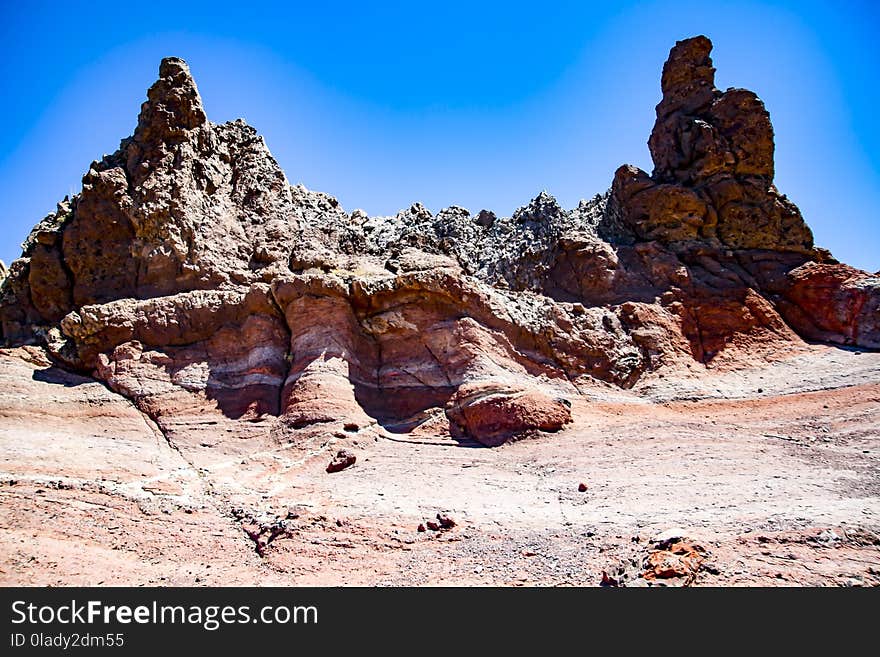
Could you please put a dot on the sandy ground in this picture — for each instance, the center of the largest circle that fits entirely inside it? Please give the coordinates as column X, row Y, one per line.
column 773, row 473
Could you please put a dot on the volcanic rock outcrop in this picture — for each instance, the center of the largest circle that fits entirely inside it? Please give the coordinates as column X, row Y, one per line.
column 191, row 277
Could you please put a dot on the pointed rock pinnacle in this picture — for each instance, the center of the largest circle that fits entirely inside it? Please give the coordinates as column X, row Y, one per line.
column 173, row 105
column 688, row 81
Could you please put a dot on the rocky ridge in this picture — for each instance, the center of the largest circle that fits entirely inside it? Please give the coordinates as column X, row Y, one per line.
column 192, row 278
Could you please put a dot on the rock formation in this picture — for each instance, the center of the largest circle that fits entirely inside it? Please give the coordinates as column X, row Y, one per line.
column 191, row 277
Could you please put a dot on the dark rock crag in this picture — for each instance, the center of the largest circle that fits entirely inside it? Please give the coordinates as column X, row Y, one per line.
column 190, row 276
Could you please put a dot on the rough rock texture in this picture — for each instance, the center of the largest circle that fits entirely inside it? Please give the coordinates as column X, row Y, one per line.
column 494, row 415
column 826, row 301
column 192, row 278
column 675, row 559
column 343, row 459
column 715, row 150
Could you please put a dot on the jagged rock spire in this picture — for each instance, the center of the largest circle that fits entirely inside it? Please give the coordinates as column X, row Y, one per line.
column 542, row 208
column 713, row 166
column 688, row 81
column 702, row 132
column 173, row 105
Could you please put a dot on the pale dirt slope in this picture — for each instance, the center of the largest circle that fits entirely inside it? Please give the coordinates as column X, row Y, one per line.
column 780, row 487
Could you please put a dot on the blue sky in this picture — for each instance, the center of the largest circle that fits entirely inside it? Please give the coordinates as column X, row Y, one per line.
column 447, row 103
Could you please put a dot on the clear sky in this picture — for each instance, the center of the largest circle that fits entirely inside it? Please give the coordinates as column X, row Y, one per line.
column 476, row 104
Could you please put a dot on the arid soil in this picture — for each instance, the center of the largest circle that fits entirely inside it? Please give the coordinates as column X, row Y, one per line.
column 773, row 473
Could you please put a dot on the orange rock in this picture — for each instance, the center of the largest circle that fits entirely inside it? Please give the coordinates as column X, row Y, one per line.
column 679, row 559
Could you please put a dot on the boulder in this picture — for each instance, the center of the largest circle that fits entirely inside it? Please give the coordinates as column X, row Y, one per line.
column 492, row 416
column 343, row 459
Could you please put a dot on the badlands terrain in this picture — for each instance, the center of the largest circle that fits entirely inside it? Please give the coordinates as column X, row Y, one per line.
column 213, row 377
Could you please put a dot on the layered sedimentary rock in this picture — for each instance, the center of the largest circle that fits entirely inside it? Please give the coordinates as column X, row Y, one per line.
column 190, row 276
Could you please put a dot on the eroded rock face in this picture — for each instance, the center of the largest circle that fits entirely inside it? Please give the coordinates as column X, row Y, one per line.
column 191, row 277
column 834, row 303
